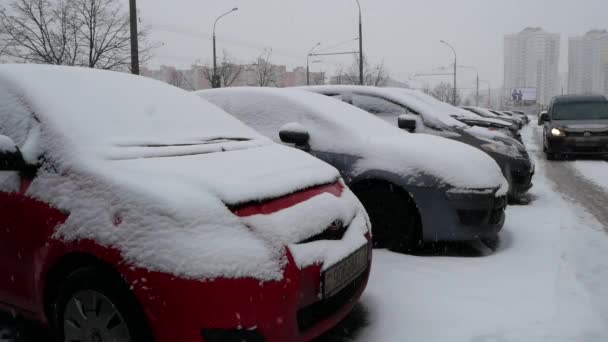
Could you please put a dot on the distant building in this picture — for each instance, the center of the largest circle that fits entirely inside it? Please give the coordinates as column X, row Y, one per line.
column 532, row 61
column 588, row 63
column 195, row 78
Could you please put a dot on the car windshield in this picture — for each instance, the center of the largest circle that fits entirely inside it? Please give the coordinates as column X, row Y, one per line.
column 581, row 111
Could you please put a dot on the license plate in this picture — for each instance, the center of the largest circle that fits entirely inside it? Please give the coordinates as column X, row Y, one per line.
column 343, row 273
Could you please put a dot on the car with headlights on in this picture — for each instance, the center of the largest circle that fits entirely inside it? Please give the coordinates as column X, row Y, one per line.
column 575, row 125
column 418, row 113
column 135, row 211
column 415, row 187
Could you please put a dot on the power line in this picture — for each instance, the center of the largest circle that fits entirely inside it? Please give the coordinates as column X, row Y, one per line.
column 230, row 41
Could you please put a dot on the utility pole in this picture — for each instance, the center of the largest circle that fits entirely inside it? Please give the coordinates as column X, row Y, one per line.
column 134, row 37
column 308, row 63
column 216, row 81
column 361, row 76
column 455, row 66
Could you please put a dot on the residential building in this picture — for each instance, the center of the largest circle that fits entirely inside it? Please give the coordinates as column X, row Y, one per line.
column 250, row 75
column 532, row 61
column 588, row 63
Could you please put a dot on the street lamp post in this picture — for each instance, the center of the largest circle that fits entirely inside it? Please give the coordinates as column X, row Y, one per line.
column 361, row 76
column 455, row 66
column 215, row 79
column 308, row 63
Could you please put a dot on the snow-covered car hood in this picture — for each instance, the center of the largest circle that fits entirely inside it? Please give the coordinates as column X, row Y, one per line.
column 581, row 126
column 452, row 163
column 236, row 177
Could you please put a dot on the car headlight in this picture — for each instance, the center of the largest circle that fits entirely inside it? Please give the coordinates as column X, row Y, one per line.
column 501, row 148
column 557, row 132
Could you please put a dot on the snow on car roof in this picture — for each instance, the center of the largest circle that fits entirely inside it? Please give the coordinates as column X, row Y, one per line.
column 401, row 96
column 108, row 109
column 335, row 126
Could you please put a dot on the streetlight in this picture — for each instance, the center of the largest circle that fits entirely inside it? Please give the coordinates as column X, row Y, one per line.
column 455, row 66
column 360, row 45
column 308, row 63
column 215, row 80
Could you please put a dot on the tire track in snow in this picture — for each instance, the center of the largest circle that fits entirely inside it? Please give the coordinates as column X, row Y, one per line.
column 573, row 185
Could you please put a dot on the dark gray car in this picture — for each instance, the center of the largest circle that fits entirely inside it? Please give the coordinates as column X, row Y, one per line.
column 392, row 104
column 575, row 125
column 414, row 186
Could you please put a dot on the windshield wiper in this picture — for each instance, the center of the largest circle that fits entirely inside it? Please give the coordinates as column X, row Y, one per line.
column 202, row 142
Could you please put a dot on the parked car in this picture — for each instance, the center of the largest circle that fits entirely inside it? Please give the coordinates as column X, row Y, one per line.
column 394, row 105
column 415, row 187
column 575, row 125
column 518, row 118
column 486, row 113
column 135, row 211
column 517, row 114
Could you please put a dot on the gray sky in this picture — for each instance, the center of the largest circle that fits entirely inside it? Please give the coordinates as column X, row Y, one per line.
column 404, row 34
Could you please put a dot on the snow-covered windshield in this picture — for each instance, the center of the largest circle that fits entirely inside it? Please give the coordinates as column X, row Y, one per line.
column 581, row 111
column 110, row 113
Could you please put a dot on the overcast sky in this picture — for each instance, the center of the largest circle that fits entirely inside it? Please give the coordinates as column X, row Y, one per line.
column 404, row 34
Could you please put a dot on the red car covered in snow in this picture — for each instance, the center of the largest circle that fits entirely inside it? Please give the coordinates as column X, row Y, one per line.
column 131, row 210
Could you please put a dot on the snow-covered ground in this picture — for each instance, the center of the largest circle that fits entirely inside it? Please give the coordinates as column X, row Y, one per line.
column 546, row 282
column 594, row 170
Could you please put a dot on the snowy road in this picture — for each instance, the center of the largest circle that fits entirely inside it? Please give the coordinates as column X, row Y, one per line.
column 546, row 282
column 584, row 181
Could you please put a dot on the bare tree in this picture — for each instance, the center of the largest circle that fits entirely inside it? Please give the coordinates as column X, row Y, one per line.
column 318, row 78
column 265, row 71
column 372, row 76
column 91, row 33
column 40, row 31
column 180, row 79
column 444, row 92
column 228, row 70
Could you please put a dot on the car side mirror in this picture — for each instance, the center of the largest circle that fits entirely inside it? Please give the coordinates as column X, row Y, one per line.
column 11, row 158
column 294, row 133
column 544, row 117
column 406, row 123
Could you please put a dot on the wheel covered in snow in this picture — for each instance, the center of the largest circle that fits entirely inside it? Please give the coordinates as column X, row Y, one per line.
column 94, row 305
column 395, row 219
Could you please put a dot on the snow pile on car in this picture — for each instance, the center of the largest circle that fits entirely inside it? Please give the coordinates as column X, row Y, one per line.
column 337, row 127
column 151, row 171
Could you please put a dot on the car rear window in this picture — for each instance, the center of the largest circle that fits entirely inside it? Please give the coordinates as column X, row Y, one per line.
column 581, row 111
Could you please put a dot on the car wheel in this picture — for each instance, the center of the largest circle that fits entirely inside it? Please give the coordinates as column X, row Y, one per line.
column 94, row 305
column 395, row 219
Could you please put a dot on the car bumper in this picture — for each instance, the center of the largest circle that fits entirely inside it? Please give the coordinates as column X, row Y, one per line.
column 519, row 173
column 247, row 310
column 459, row 216
column 578, row 145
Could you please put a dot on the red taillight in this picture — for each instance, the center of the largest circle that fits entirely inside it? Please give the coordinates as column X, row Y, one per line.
column 284, row 202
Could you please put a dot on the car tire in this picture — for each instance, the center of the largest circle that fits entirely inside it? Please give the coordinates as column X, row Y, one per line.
column 396, row 223
column 95, row 295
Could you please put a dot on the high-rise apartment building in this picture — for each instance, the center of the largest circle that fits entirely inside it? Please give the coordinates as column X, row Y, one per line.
column 532, row 61
column 588, row 63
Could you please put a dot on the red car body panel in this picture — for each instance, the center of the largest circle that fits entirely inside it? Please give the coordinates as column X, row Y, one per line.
column 176, row 308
